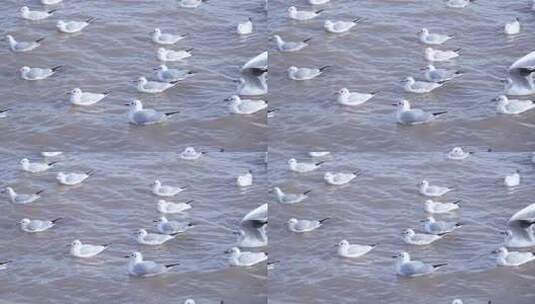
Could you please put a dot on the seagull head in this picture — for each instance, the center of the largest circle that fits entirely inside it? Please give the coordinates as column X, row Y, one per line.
column 403, row 256
column 292, row 162
column 157, row 31
column 24, row 162
column 233, row 99
column 408, row 232
column 502, row 251
column 423, row 31
column 233, row 251
column 24, row 9
column 502, row 99
column 135, row 256
column 76, row 243
column 292, row 69
column 189, row 150
column 343, row 92
column 162, row 51
column 403, row 105
column 457, row 151
column 24, row 221
column 292, row 10
column 328, row 24
column 141, row 232
column 189, row 301
column 292, row 221
column 408, row 79
column 161, row 219
column 457, row 301
column 424, row 183
column 76, row 92
column 342, row 243
column 135, row 105
column 60, row 23
column 24, row 69
column 162, row 67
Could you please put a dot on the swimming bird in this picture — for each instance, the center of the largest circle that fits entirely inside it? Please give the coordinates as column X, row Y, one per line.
column 35, row 15
column 504, row 257
column 339, row 178
column 50, row 2
column 317, row 2
column 245, row 180
column 152, row 239
column 296, row 73
column 338, row 27
column 318, row 153
column 137, row 267
column 22, row 46
column 432, row 190
column 190, row 3
column 419, row 239
column 512, row 180
column 513, row 106
column 347, row 98
column 406, row 267
column 35, row 167
column 434, row 207
column 252, row 230
column 440, row 75
column 164, row 54
column 290, row 46
column 80, row 250
column 420, row 87
column 164, row 38
column 166, row 226
column 458, row 3
column 432, row 39
column 166, row 74
column 457, row 153
column 245, row 106
column 303, row 167
column 290, row 198
column 438, row 55
column 165, row 190
column 71, row 179
column 347, row 250
column 51, row 153
column 22, row 198
column 153, row 87
column 80, row 98
column 139, row 116
column 245, row 28
column 300, row 226
column 302, row 15
column 70, row 27
column 3, row 264
column 513, row 27
column 33, row 226
column 407, row 116
column 433, row 226
column 245, row 258
column 166, row 207
column 28, row 73
column 190, row 154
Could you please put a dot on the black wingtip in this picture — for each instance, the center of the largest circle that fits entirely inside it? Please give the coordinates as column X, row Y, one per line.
column 323, row 220
column 319, row 11
column 171, row 265
column 40, row 39
column 107, row 244
column 439, row 265
column 358, row 19
column 40, row 191
column 439, row 113
column 319, row 163
column 53, row 163
column 90, row 172
column 172, row 113
column 307, row 192
column 307, row 40
column 57, row 219
column 189, row 50
column 90, row 19
column 4, row 110
column 54, row 69
column 324, row 67
column 52, row 11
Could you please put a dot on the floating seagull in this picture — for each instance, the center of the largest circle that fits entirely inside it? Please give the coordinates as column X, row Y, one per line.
column 245, row 180
column 3, row 264
column 338, row 27
column 340, row 178
column 139, row 116
column 245, row 28
column 27, row 14
column 512, row 258
column 165, row 39
column 512, row 180
column 431, row 190
column 70, row 27
column 347, row 250
column 407, row 116
column 253, row 74
column 190, row 3
column 438, row 55
column 32, row 226
column 71, row 179
column 51, row 153
column 166, row 226
column 164, row 54
column 3, row 112
column 296, row 73
column 458, row 3
column 513, row 27
column 166, row 74
column 35, row 167
column 23, row 46
column 303, row 167
column 165, row 190
column 80, row 98
column 245, row 106
column 353, row 98
column 317, row 2
column 245, row 258
column 80, row 250
column 152, row 239
column 318, row 153
column 432, row 39
column 153, row 87
column 420, row 87
column 407, row 268
column 419, row 239
column 290, row 198
column 299, row 226
column 303, row 15
column 290, row 46
column 139, row 268
column 457, row 153
column 22, row 198
column 513, row 106
column 190, row 154
column 28, row 73
column 166, row 207
column 440, row 75
column 253, row 225
column 433, row 207
column 519, row 231
column 439, row 227
column 50, row 2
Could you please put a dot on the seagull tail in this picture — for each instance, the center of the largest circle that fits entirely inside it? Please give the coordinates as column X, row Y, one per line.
column 5, row 262
column 171, row 265
column 90, row 172
column 324, row 67
column 459, row 225
column 307, row 192
column 357, row 172
column 107, row 92
column 172, row 113
column 40, row 191
column 439, row 113
column 57, row 219
column 40, row 39
column 4, row 110
column 373, row 245
column 52, row 11
column 457, row 202
column 436, row 266
column 358, row 19
column 189, row 50
column 54, row 69
column 107, row 244
column 90, row 19
column 307, row 40
column 323, row 220
column 375, row 92
column 319, row 163
column 189, row 202
column 457, row 50
column 53, row 163
column 319, row 11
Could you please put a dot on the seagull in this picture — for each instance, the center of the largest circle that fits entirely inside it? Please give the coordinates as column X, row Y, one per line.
column 80, row 250
column 137, row 267
column 165, row 190
column 303, row 167
column 245, row 106
column 433, row 207
column 27, row 14
column 432, row 39
column 245, row 258
column 139, row 116
column 338, row 27
column 340, row 178
column 80, row 98
column 71, row 179
column 171, row 227
column 152, row 239
column 50, row 2
column 512, row 180
column 303, row 15
column 407, row 116
column 165, row 39
column 407, row 268
column 317, row 2
column 28, row 73
column 440, row 75
column 296, row 73
column 3, row 264
column 70, row 27
column 153, row 87
column 300, row 226
column 32, row 226
column 190, row 154
column 166, row 207
column 245, row 180
column 51, row 153
column 438, row 55
column 290, row 198
column 23, row 46
column 3, row 112
column 505, row 257
column 190, row 3
column 166, row 74
column 439, row 227
column 457, row 153
column 164, row 54
column 431, row 190
column 347, row 250
column 420, row 239
column 420, row 87
column 245, row 28
column 35, row 167
column 347, row 98
column 513, row 106
column 290, row 46
column 22, row 198
column 458, row 3
column 252, row 231
column 318, row 153
column 513, row 27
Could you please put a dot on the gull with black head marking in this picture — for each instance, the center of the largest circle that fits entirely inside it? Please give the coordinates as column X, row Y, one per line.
column 347, row 98
column 245, row 258
column 166, row 74
column 33, row 226
column 166, row 226
column 245, row 106
column 420, row 239
column 338, row 27
column 80, row 98
column 85, row 251
column 420, row 87
column 303, row 167
column 406, row 267
column 433, row 226
column 432, row 190
column 339, row 178
column 164, row 54
column 152, row 239
column 432, row 39
column 434, row 207
column 153, row 87
column 165, row 190
column 440, row 75
column 165, row 38
column 166, row 207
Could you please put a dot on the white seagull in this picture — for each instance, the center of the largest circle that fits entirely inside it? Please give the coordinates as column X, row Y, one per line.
column 166, row 207
column 245, row 180
column 439, row 227
column 50, row 2
column 164, row 54
column 458, row 3
column 296, row 73
column 85, row 251
column 22, row 198
column 139, row 116
column 303, row 167
column 512, row 180
column 166, row 226
column 165, row 190
column 407, row 116
column 439, row 75
column 457, row 153
column 290, row 198
column 434, row 207
column 245, row 106
column 152, row 239
column 28, row 73
column 245, row 258
column 27, row 14
column 300, row 226
column 166, row 74
column 513, row 106
column 80, row 98
column 153, row 87
column 347, row 98
column 513, row 27
column 290, row 46
column 405, row 267
column 70, row 27
column 419, row 239
column 432, row 39
column 438, row 55
column 35, row 167
column 22, row 46
column 338, row 27
column 420, row 87
column 71, row 179
column 245, row 28
column 164, row 38
column 137, row 267
column 339, row 178
column 504, row 257
column 190, row 3
column 302, row 15
column 432, row 190
column 32, row 226
column 347, row 250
